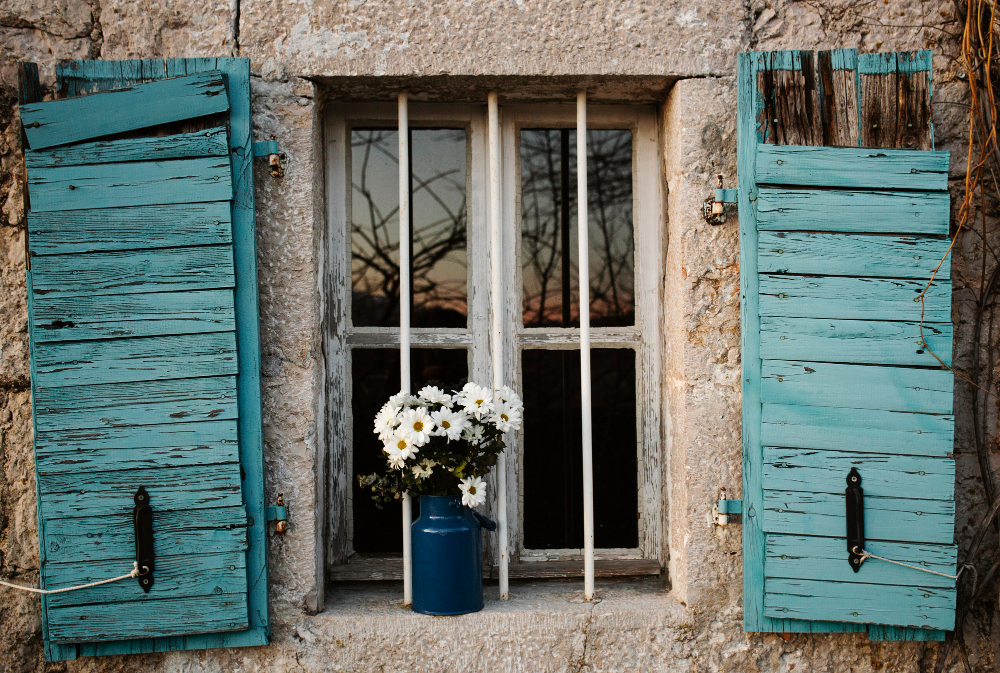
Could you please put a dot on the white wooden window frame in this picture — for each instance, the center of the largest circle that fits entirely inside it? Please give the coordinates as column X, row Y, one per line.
column 341, row 337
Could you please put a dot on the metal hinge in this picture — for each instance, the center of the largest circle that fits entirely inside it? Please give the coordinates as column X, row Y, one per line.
column 269, row 149
column 722, row 509
column 277, row 514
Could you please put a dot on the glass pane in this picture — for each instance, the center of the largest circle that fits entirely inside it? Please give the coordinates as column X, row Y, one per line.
column 553, row 464
column 375, row 375
column 549, row 258
column 439, row 215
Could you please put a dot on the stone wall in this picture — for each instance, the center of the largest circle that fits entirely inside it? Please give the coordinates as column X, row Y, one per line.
column 688, row 50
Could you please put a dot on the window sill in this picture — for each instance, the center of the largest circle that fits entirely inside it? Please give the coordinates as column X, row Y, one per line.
column 390, row 567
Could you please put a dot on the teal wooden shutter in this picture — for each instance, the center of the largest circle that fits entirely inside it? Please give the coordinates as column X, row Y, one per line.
column 836, row 246
column 142, row 302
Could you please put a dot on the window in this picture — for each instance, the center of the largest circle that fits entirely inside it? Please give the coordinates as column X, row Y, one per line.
column 451, row 311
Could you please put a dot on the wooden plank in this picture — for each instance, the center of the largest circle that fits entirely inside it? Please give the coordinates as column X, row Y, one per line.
column 77, row 546
column 134, row 404
column 855, row 341
column 914, row 128
column 142, row 227
column 71, row 120
column 818, row 471
column 111, row 493
column 878, row 632
column 886, row 518
column 854, row 298
column 795, row 425
column 854, row 211
column 791, row 103
column 199, row 614
column 878, row 99
column 142, row 183
column 75, row 317
column 80, row 78
column 851, row 167
column 852, row 254
column 174, row 577
column 825, row 384
column 385, row 567
column 208, row 143
column 173, row 445
column 142, row 359
column 837, row 75
column 825, row 558
column 919, row 606
column 134, row 271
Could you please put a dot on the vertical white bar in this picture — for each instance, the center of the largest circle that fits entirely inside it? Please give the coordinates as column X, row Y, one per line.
column 496, row 329
column 584, row 283
column 404, row 317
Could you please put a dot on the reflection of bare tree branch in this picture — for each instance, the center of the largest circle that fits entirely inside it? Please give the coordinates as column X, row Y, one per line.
column 375, row 245
column 611, row 276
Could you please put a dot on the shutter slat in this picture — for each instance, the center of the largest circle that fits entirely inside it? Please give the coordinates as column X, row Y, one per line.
column 919, row 606
column 853, row 211
column 134, row 272
column 202, row 614
column 141, row 106
column 851, row 254
column 142, row 183
column 819, row 471
column 174, row 445
column 904, row 433
column 853, row 298
column 826, row 384
column 898, row 519
column 854, row 341
column 111, row 493
column 176, row 577
column 852, row 167
column 137, row 403
column 75, row 542
column 73, row 318
column 822, row 558
column 141, row 227
column 208, row 143
column 142, row 359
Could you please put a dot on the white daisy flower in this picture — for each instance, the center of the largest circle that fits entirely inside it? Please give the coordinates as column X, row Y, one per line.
column 386, row 421
column 434, row 395
column 424, row 469
column 399, row 448
column 473, row 491
column 475, row 399
column 507, row 394
column 416, row 425
column 473, row 434
column 506, row 417
column 449, row 423
column 402, row 399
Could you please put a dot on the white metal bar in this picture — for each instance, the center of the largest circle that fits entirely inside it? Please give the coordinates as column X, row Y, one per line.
column 404, row 318
column 584, row 282
column 496, row 335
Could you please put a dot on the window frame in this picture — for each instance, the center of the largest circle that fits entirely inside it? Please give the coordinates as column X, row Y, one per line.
column 340, row 337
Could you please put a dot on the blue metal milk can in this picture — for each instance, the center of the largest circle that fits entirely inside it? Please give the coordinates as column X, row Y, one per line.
column 448, row 556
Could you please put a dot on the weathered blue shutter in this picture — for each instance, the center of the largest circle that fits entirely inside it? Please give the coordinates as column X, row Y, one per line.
column 836, row 247
column 142, row 301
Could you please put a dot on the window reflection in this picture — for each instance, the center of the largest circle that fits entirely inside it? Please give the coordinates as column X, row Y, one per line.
column 439, row 218
column 549, row 258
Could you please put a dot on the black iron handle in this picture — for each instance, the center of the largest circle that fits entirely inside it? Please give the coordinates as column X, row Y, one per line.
column 485, row 522
column 142, row 518
column 855, row 519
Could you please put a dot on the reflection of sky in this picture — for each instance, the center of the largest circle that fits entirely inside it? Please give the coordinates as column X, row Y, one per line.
column 609, row 192
column 438, row 170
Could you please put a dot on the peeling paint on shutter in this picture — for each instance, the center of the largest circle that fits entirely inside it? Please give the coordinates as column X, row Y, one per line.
column 145, row 354
column 836, row 247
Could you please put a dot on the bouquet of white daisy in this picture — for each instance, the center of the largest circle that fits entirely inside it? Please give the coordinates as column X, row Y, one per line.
column 442, row 443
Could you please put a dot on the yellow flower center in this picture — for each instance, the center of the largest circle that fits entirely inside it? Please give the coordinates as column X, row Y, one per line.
column 445, row 424
column 479, row 402
column 401, row 444
column 418, row 426
column 472, row 490
column 504, row 416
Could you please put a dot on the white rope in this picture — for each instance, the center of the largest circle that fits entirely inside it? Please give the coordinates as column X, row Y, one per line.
column 865, row 554
column 134, row 573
